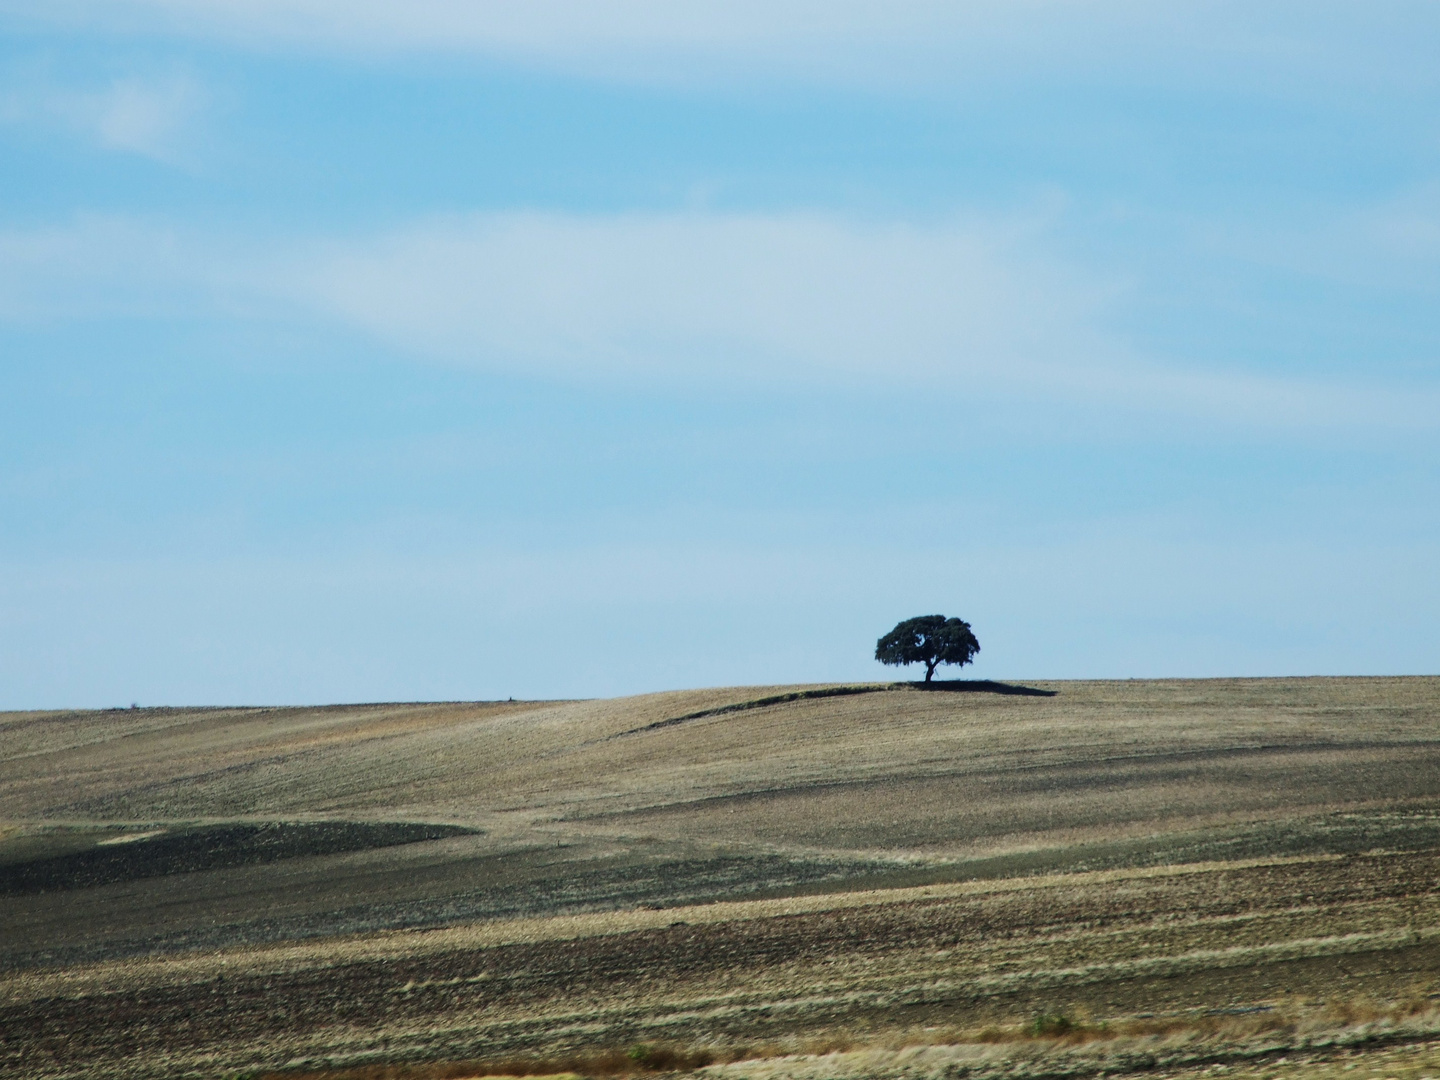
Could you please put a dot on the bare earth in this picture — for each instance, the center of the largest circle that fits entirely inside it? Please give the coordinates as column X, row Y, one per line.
column 1179, row 877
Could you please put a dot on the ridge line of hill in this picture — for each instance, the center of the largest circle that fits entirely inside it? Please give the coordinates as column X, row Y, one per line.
column 757, row 703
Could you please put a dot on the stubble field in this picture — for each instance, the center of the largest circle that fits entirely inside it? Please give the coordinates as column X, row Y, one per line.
column 1055, row 879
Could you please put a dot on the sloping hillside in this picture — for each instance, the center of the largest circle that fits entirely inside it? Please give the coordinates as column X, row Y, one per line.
column 308, row 847
column 999, row 763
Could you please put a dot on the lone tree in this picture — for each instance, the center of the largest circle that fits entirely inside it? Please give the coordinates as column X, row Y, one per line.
column 931, row 640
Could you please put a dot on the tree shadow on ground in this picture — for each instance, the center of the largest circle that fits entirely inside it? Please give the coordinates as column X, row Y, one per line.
column 980, row 686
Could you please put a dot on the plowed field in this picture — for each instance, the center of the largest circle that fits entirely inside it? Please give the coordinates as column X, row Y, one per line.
column 806, row 881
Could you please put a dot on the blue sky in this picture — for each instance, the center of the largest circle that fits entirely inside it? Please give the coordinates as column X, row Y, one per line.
column 375, row 351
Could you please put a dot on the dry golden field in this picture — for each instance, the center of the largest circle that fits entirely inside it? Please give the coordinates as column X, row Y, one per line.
column 1237, row 877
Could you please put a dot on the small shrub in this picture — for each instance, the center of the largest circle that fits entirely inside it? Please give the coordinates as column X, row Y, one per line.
column 1051, row 1026
column 640, row 1053
column 665, row 1058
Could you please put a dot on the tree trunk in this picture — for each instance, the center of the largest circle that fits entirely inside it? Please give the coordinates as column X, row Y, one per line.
column 929, row 671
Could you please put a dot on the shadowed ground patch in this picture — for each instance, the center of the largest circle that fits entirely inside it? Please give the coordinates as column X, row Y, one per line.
column 180, row 850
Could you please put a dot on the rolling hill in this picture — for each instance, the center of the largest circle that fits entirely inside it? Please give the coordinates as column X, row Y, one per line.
column 872, row 879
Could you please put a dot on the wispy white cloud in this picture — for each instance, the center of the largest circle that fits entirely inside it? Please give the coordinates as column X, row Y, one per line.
column 799, row 299
column 899, row 43
column 747, row 296
column 1388, row 245
column 694, row 300
column 1406, row 230
column 99, row 267
column 147, row 116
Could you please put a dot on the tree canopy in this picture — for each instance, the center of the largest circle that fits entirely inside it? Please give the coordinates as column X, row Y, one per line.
column 931, row 640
